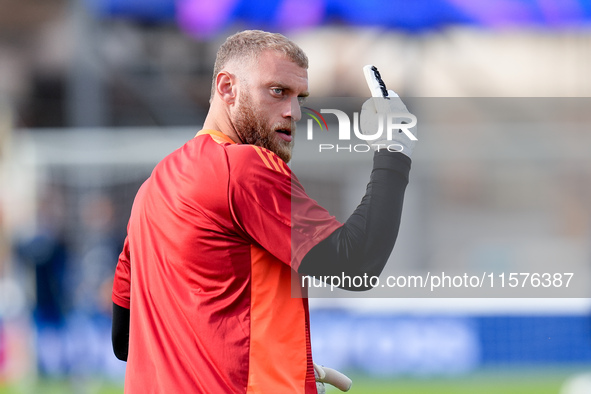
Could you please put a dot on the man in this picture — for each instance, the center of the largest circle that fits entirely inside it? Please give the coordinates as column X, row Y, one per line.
column 203, row 288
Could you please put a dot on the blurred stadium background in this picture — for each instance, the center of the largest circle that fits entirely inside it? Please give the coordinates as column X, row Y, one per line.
column 93, row 93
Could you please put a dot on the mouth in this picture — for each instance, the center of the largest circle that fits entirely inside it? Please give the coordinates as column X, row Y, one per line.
column 285, row 134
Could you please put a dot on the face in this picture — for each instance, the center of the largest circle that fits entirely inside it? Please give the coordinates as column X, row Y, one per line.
column 263, row 114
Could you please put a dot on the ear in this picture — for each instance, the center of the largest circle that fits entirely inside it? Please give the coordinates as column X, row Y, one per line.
column 226, row 87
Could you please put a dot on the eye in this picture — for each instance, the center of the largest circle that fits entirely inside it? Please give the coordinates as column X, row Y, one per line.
column 277, row 91
column 301, row 99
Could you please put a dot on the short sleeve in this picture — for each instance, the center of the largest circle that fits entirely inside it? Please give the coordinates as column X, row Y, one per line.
column 122, row 281
column 270, row 205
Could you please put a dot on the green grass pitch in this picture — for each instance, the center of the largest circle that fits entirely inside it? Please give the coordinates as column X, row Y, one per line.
column 518, row 381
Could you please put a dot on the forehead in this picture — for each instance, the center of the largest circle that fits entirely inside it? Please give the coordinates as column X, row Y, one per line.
column 274, row 67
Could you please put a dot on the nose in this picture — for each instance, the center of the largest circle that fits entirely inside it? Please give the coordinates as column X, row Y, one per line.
column 293, row 110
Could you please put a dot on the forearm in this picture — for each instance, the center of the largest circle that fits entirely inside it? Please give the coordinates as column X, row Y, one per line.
column 364, row 243
column 120, row 332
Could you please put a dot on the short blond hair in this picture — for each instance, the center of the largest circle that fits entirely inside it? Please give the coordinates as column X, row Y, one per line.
column 248, row 45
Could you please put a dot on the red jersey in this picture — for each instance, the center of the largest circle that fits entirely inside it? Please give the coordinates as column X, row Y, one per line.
column 214, row 236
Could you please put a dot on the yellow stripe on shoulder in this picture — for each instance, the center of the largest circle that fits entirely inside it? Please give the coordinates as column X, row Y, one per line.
column 277, row 162
column 262, row 156
column 271, row 160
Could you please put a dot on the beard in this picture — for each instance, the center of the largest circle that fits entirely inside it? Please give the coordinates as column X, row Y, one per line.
column 254, row 129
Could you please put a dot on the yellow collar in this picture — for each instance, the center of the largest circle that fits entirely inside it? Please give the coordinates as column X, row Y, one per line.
column 218, row 136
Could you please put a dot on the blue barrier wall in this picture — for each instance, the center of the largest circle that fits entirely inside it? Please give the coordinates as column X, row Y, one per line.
column 377, row 345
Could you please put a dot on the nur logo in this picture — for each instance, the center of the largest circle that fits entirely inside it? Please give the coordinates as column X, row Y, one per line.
column 407, row 121
column 389, row 123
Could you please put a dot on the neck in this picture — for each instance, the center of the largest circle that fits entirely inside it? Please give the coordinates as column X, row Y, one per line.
column 220, row 121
